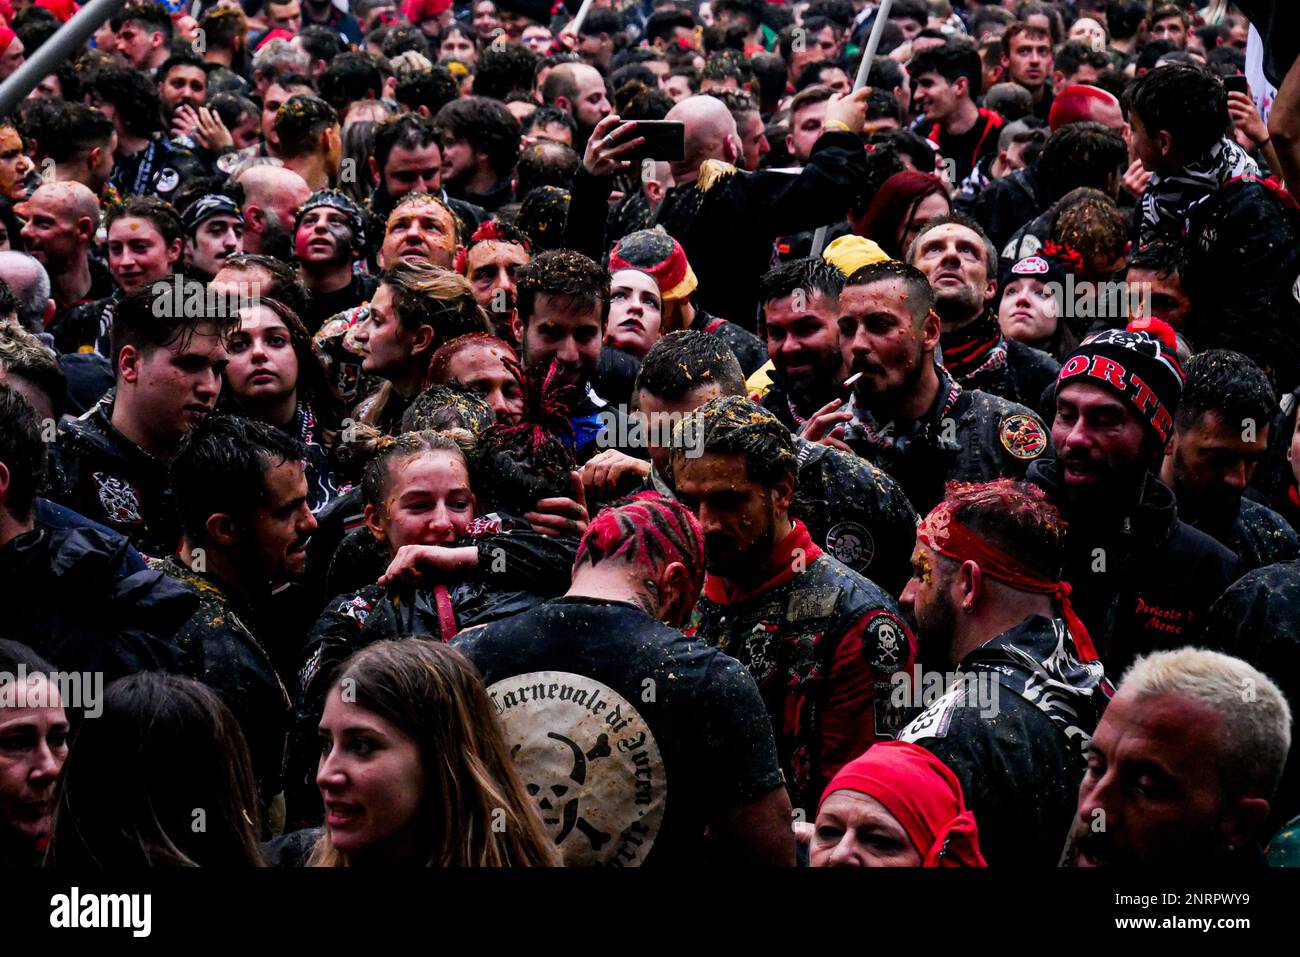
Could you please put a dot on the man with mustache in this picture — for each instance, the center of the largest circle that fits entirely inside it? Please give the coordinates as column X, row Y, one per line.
column 990, row 611
column 1220, row 436
column 214, row 231
column 820, row 640
column 490, row 261
column 241, row 490
column 1183, row 766
column 329, row 235
column 907, row 415
column 961, row 263
column 111, row 464
column 1141, row 576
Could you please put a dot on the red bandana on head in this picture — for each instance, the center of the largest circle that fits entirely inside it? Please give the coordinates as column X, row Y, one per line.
column 947, row 536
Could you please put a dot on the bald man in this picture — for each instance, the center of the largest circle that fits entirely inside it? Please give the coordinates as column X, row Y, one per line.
column 727, row 219
column 272, row 195
column 580, row 91
column 61, row 221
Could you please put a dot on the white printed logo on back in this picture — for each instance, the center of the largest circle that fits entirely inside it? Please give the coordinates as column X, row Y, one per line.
column 588, row 758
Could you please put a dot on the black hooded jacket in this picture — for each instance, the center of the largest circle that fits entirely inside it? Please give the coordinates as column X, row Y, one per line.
column 1142, row 578
column 75, row 601
column 1013, row 728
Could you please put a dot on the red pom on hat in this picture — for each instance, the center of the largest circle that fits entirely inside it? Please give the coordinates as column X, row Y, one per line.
column 1157, row 329
column 274, row 35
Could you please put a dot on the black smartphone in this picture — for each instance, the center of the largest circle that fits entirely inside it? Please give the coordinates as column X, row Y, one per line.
column 664, row 140
column 1235, row 84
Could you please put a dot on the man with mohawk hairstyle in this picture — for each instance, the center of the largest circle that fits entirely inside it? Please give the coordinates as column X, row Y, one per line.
column 640, row 745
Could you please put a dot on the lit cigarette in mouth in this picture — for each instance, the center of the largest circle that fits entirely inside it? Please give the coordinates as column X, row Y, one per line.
column 852, row 379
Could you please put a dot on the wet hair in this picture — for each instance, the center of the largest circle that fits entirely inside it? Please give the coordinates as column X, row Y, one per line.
column 182, row 59
column 1080, row 154
column 164, row 746
column 504, row 69
column 570, row 280
column 427, row 295
column 542, row 216
column 1023, row 28
column 495, row 231
column 154, row 16
column 1231, row 386
column 735, row 425
column 811, row 275
column 286, row 287
column 1012, row 100
column 1162, row 256
column 222, row 26
column 135, row 323
column 1070, row 56
column 1016, row 517
column 434, row 696
column 433, row 89
column 953, row 60
column 546, row 164
column 638, row 101
column 448, row 351
column 300, row 122
column 163, row 216
column 132, row 93
column 15, row 654
column 447, row 408
column 1187, row 102
column 1092, row 224
column 413, row 198
column 405, row 39
column 349, row 78
column 920, row 296
column 232, row 107
column 22, row 452
column 390, row 451
column 411, row 131
column 23, row 356
column 487, row 126
column 321, row 43
column 649, row 531
column 685, row 360
column 519, row 463
column 545, row 116
column 220, row 468
column 1123, row 17
column 78, row 130
column 662, row 23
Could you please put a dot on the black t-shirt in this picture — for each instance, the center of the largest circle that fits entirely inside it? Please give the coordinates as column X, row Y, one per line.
column 631, row 737
column 323, row 305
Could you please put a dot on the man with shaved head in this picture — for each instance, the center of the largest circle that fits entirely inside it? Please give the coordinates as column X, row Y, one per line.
column 579, row 90
column 272, row 195
column 727, row 220
column 61, row 221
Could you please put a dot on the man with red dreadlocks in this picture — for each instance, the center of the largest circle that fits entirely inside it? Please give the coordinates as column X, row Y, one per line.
column 635, row 741
column 822, row 641
column 1012, row 683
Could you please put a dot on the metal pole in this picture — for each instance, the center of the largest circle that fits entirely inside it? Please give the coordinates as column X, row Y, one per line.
column 574, row 25
column 64, row 45
column 864, row 68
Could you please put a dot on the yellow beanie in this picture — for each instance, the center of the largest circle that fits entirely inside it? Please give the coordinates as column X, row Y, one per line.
column 848, row 254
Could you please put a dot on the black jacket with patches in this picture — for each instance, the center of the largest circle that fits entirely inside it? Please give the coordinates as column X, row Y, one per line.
column 821, row 642
column 1142, row 578
column 77, row 600
column 1013, row 728
column 1021, row 375
column 221, row 651
column 1258, row 620
column 967, row 436
column 97, row 471
column 728, row 221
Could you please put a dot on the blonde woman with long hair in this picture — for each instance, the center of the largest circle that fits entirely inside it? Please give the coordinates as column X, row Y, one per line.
column 414, row 770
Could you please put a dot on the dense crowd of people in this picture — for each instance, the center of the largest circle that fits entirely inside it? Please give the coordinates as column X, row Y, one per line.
column 495, row 434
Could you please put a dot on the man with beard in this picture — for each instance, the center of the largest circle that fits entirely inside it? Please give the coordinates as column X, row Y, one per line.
column 241, row 491
column 329, row 235
column 480, row 146
column 821, row 641
column 579, row 90
column 1220, row 436
column 993, row 620
column 416, row 308
column 853, row 511
column 1182, row 767
column 562, row 305
column 908, row 415
column 143, row 33
column 961, row 264
column 489, row 261
column 61, row 222
column 1141, row 577
column 407, row 158
column 111, row 464
column 182, row 90
column 214, row 231
column 800, row 306
column 272, row 196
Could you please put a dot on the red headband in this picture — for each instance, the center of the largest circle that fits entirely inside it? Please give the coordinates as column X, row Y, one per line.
column 949, row 537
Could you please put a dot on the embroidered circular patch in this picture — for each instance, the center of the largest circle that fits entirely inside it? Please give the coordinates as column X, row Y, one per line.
column 851, row 544
column 1023, row 436
column 884, row 643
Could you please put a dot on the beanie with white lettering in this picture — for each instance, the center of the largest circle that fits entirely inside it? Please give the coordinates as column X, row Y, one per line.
column 1137, row 367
